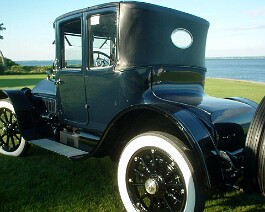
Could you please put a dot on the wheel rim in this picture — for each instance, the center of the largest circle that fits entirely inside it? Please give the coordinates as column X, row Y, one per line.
column 10, row 136
column 155, row 182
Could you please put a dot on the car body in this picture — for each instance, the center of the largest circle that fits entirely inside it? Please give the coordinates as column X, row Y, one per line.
column 126, row 73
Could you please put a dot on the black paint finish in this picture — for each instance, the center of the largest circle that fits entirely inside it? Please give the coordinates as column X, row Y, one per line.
column 149, row 74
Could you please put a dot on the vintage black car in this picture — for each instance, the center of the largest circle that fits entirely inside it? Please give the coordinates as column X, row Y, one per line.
column 128, row 82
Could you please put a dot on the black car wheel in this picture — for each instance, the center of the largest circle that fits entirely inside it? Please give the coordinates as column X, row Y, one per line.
column 261, row 166
column 156, row 174
column 11, row 141
column 254, row 153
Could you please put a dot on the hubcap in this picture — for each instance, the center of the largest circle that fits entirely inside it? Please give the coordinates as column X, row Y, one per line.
column 155, row 182
column 151, row 186
column 7, row 127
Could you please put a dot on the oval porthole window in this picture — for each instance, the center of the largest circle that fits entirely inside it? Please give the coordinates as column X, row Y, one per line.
column 181, row 38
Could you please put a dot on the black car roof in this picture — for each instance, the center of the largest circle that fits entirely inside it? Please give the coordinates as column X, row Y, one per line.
column 145, row 35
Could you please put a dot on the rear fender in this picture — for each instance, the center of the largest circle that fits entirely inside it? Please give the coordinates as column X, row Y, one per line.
column 197, row 135
column 202, row 145
column 244, row 100
column 24, row 111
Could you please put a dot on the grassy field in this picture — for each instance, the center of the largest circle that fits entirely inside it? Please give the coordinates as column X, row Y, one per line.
column 229, row 88
column 44, row 181
column 20, row 81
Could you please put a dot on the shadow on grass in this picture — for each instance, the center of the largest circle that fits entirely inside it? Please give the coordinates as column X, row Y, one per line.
column 234, row 201
column 43, row 181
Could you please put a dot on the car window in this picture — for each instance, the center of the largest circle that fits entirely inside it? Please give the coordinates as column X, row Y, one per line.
column 72, row 44
column 103, row 39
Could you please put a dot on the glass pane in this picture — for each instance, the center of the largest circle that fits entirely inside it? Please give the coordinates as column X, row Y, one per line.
column 181, row 38
column 103, row 37
column 72, row 45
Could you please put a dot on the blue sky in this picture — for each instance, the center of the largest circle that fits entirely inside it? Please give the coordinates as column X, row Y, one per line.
column 237, row 28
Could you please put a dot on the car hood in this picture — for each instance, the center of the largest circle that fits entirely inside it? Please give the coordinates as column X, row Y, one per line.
column 45, row 87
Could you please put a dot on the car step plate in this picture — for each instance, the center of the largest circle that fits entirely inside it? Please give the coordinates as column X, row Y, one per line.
column 59, row 148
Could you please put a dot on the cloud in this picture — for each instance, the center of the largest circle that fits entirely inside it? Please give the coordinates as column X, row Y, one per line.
column 257, row 12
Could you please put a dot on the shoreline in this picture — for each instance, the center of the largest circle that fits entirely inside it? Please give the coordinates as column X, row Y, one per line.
column 237, row 80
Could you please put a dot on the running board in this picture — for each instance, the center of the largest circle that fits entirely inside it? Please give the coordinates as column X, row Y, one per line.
column 59, row 148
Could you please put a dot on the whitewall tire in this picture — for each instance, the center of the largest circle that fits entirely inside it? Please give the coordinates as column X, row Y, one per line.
column 155, row 174
column 11, row 141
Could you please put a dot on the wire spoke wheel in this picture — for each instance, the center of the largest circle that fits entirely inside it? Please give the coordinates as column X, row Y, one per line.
column 10, row 136
column 155, row 181
column 11, row 140
column 156, row 174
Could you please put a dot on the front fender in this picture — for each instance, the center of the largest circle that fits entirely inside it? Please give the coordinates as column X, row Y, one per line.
column 24, row 111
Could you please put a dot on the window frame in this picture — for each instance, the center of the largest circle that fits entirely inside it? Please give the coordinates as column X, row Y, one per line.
column 102, row 11
column 84, row 16
column 61, row 47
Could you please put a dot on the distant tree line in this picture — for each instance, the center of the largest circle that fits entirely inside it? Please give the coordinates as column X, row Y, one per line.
column 7, row 66
column 2, row 29
column 12, row 67
column 2, row 59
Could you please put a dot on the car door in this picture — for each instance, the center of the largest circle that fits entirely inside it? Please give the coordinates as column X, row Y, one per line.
column 70, row 71
column 102, row 82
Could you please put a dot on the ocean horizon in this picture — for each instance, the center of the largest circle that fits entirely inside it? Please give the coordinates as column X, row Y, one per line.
column 238, row 68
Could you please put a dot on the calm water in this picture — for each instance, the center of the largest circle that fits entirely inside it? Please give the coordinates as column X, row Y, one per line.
column 242, row 69
column 35, row 63
column 252, row 69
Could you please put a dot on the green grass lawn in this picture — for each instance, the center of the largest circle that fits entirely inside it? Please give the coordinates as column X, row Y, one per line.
column 44, row 181
column 229, row 88
column 20, row 81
